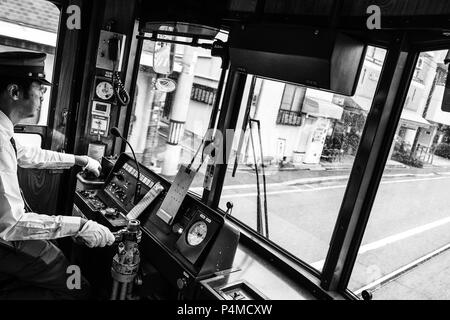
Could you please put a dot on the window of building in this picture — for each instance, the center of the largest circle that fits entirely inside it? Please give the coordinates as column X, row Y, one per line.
column 405, row 250
column 419, row 63
column 167, row 128
column 292, row 98
column 363, row 75
column 414, row 94
column 288, row 97
column 305, row 167
column 291, row 105
column 31, row 25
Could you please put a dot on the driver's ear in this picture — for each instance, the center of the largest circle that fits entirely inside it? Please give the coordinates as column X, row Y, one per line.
column 13, row 91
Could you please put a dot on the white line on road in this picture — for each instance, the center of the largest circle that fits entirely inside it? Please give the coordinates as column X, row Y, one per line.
column 402, row 235
column 281, row 192
column 394, row 238
column 243, row 195
column 412, row 180
column 305, row 181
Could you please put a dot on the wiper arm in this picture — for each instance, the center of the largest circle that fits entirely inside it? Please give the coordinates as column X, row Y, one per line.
column 259, row 222
column 244, row 125
column 266, row 221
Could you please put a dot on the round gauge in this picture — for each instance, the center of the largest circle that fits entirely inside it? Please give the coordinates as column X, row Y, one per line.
column 104, row 90
column 197, row 233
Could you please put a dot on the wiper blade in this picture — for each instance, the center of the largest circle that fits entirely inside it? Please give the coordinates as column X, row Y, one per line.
column 260, row 218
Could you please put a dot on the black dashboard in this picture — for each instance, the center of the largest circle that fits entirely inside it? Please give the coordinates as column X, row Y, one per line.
column 199, row 254
column 198, row 243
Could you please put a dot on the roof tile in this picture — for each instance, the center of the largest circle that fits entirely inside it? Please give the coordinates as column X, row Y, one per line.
column 39, row 14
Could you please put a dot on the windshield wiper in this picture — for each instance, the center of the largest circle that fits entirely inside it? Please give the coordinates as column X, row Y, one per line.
column 259, row 224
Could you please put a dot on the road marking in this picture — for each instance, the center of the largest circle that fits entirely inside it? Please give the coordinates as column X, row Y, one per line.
column 413, row 180
column 402, row 235
column 395, row 274
column 243, row 195
column 288, row 183
column 391, row 239
column 305, row 181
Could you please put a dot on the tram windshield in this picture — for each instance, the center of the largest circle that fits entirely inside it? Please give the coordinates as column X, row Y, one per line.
column 300, row 142
column 304, row 142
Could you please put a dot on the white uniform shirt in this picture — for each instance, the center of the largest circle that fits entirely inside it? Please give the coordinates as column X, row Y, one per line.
column 15, row 223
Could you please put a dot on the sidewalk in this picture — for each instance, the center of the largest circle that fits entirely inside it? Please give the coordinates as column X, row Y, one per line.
column 326, row 172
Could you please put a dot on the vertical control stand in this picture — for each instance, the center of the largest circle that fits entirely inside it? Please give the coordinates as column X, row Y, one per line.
column 125, row 264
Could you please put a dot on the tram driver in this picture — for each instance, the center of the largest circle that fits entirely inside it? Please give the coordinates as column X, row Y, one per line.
column 31, row 266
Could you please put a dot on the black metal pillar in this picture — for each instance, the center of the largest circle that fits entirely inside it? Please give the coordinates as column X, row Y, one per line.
column 231, row 104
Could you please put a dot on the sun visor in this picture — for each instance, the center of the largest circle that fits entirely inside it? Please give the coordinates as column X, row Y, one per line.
column 322, row 59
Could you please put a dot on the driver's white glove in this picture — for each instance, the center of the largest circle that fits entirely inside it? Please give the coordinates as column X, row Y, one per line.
column 92, row 166
column 94, row 234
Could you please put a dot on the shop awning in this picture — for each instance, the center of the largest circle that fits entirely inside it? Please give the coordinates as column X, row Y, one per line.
column 321, row 108
column 363, row 102
column 414, row 118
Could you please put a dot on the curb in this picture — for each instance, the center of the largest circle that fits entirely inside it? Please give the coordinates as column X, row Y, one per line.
column 320, row 168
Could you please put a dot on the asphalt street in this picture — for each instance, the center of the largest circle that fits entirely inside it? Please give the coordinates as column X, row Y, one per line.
column 410, row 219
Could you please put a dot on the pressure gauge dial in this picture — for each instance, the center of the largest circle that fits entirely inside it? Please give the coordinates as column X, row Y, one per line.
column 197, row 233
column 104, row 90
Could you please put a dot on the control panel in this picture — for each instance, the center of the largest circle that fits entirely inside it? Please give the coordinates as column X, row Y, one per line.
column 199, row 242
column 122, row 185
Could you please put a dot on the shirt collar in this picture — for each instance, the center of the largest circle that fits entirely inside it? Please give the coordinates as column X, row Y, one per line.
column 6, row 126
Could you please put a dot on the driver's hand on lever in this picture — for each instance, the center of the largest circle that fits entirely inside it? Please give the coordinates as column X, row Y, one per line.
column 89, row 164
column 94, row 234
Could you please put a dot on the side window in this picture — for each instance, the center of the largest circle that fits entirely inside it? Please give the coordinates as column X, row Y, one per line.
column 28, row 139
column 31, row 26
column 291, row 174
column 405, row 250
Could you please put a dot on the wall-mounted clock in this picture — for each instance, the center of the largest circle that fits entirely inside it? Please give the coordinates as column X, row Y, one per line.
column 104, row 90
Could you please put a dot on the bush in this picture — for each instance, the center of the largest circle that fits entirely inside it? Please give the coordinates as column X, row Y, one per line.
column 406, row 158
column 443, row 150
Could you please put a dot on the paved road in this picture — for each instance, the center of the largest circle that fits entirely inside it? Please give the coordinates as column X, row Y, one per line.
column 410, row 218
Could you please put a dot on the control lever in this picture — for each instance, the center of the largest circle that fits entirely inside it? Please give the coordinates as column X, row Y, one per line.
column 126, row 234
column 125, row 264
